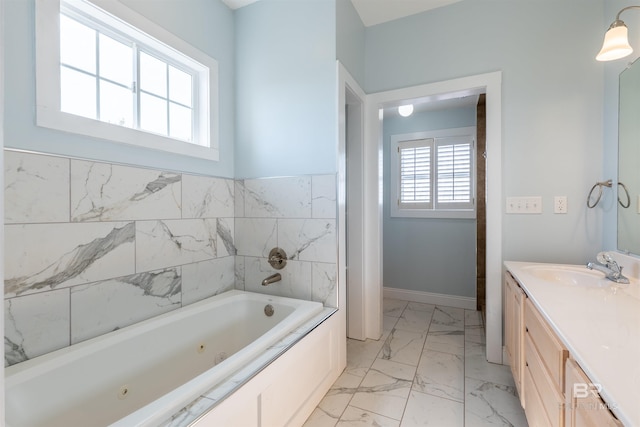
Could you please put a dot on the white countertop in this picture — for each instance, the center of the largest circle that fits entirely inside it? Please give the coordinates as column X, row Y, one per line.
column 600, row 326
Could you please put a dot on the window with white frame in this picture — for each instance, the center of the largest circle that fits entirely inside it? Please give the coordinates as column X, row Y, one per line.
column 110, row 73
column 433, row 174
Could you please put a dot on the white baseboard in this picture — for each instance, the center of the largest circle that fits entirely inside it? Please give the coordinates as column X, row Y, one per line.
column 467, row 303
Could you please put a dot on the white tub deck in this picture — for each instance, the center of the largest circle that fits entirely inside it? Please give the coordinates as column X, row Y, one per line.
column 147, row 373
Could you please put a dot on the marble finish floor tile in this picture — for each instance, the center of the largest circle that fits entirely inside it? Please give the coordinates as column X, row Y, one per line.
column 446, row 342
column 338, row 397
column 361, row 355
column 414, row 320
column 476, row 366
column 427, row 410
column 428, row 369
column 491, row 404
column 356, row 417
column 403, row 346
column 385, row 388
column 440, row 374
column 393, row 307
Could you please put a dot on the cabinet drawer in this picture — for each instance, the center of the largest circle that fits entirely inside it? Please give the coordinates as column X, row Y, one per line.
column 551, row 399
column 551, row 351
column 534, row 410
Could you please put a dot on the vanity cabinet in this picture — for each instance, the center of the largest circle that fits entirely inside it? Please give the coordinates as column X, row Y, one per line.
column 514, row 331
column 583, row 405
column 545, row 357
column 556, row 340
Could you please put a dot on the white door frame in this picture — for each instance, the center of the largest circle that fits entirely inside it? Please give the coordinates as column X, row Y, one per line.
column 352, row 289
column 2, row 65
column 491, row 84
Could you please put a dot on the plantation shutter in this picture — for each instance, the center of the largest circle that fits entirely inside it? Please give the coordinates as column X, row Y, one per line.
column 454, row 180
column 416, row 163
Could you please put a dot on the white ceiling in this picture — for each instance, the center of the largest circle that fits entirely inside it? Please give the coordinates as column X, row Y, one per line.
column 374, row 12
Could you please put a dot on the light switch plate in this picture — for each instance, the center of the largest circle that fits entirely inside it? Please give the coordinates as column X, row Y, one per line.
column 524, row 205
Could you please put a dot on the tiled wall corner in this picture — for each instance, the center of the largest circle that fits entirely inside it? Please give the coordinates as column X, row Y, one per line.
column 297, row 214
column 92, row 247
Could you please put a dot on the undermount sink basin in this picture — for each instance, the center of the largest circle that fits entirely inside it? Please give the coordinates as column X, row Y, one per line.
column 568, row 275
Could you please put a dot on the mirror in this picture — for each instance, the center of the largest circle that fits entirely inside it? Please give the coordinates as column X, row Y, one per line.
column 629, row 160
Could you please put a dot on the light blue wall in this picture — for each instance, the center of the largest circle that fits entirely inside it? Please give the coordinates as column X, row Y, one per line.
column 551, row 106
column 206, row 24
column 428, row 255
column 350, row 34
column 286, row 88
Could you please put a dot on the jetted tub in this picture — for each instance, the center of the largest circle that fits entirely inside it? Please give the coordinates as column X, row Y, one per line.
column 143, row 374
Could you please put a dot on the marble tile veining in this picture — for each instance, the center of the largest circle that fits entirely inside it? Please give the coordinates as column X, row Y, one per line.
column 385, row 388
column 35, row 324
column 207, row 278
column 36, row 188
column 308, row 239
column 492, row 404
column 50, row 256
column 323, row 196
column 207, row 197
column 441, row 374
column 403, row 346
column 128, row 300
column 105, row 192
column 174, row 242
column 278, row 197
column 448, row 384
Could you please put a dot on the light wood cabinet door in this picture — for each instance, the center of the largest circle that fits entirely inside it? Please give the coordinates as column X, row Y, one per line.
column 514, row 332
column 584, row 407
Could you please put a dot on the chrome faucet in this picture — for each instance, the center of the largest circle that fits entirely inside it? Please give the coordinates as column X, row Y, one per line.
column 609, row 267
column 272, row 279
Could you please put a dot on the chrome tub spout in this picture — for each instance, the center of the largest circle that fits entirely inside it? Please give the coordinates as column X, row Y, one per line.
column 272, row 279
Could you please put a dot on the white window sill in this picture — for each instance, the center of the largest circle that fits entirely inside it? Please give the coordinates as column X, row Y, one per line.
column 81, row 125
column 430, row 213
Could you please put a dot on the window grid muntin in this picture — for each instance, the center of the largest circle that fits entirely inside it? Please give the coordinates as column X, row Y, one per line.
column 90, row 22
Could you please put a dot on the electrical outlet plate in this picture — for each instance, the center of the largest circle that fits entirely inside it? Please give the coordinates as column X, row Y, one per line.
column 524, row 205
column 560, row 204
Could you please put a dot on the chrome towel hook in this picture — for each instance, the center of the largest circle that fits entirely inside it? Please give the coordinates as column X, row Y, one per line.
column 599, row 186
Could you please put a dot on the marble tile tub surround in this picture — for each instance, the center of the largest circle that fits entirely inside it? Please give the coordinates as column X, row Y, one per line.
column 92, row 247
column 297, row 214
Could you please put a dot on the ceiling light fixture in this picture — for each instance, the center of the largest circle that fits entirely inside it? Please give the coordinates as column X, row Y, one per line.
column 405, row 110
column 616, row 43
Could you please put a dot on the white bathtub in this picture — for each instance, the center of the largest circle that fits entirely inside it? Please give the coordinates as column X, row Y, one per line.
column 143, row 374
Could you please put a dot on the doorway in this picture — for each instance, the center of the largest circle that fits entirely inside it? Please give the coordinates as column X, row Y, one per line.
column 430, row 217
column 489, row 84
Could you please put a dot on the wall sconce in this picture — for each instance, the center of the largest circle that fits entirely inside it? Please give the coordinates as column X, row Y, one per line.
column 616, row 44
